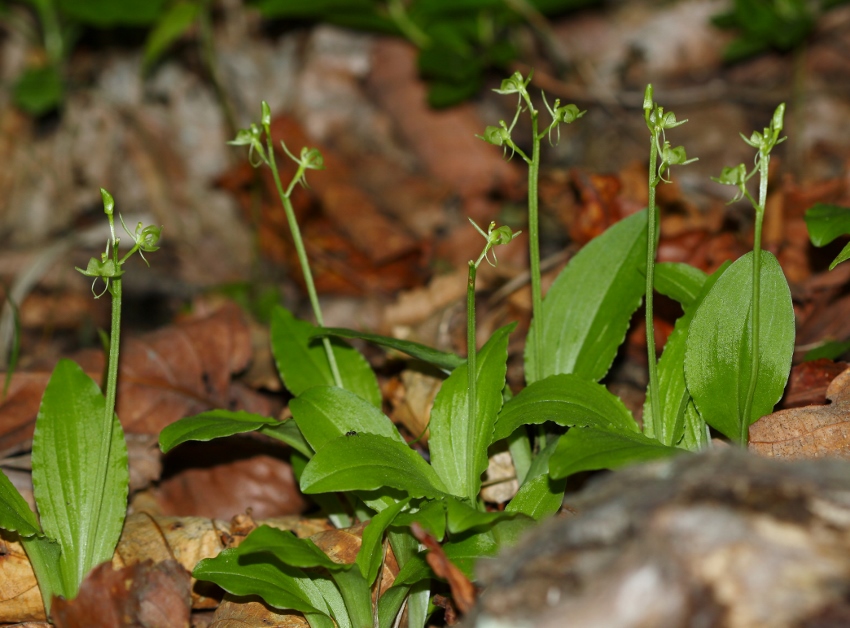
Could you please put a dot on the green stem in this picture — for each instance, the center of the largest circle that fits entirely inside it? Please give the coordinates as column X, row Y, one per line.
column 755, row 358
column 96, row 498
column 534, row 248
column 471, row 369
column 302, row 254
column 651, row 221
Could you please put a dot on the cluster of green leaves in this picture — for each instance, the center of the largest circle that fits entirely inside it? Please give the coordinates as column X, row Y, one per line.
column 770, row 24
column 457, row 39
column 354, row 462
column 41, row 88
column 79, row 456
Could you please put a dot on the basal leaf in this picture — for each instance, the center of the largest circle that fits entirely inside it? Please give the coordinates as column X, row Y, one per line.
column 461, row 516
column 170, row 26
column 441, row 359
column 566, row 400
column 210, row 425
column 68, row 431
column 587, row 310
column 589, row 449
column 458, row 442
column 15, row 513
column 287, row 548
column 289, row 433
column 540, row 495
column 680, row 282
column 303, row 364
column 431, row 515
column 717, row 358
column 368, row 462
column 843, row 256
column 370, row 556
column 827, row 222
column 674, row 395
column 324, row 413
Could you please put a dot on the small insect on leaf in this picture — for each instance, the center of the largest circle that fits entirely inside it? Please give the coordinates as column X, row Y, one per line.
column 351, row 433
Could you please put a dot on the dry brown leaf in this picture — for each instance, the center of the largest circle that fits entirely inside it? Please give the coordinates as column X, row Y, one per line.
column 809, row 432
column 809, row 382
column 145, row 594
column 463, row 591
column 244, row 612
column 444, row 140
column 227, row 476
column 165, row 375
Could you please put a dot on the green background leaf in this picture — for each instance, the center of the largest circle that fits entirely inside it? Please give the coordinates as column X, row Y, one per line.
column 827, row 222
column 207, row 426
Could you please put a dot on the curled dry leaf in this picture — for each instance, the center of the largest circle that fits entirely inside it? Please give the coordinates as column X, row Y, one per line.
column 144, row 594
column 808, row 432
column 170, row 373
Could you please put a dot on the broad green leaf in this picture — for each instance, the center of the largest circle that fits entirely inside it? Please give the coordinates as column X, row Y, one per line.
column 289, row 433
column 368, row 462
column 370, row 556
column 169, row 28
column 331, row 596
column 324, row 413
column 587, row 310
column 44, row 555
column 303, row 364
column 390, row 603
column 827, row 222
column 831, row 350
column 65, row 454
column 458, row 442
column 287, row 548
column 464, row 553
column 357, row 596
column 210, row 425
column 566, row 400
column 15, row 513
column 441, row 359
column 539, row 496
column 431, row 516
column 674, row 395
column 680, row 282
column 717, row 357
column 841, row 257
column 589, row 449
column 462, row 517
column 257, row 573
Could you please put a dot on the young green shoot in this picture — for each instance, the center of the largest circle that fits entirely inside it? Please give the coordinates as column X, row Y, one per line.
column 310, row 159
column 501, row 136
column 738, row 176
column 494, row 237
column 658, row 122
column 109, row 269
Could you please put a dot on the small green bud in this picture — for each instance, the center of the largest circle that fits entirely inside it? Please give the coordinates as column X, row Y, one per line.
column 568, row 113
column 312, row 159
column 266, row 117
column 647, row 98
column 108, row 202
column 514, row 85
column 496, row 135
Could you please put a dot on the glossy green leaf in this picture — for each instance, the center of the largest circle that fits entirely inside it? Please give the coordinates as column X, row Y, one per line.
column 64, row 461
column 717, row 357
column 368, row 462
column 357, row 595
column 589, row 449
column 674, row 395
column 210, row 425
column 324, row 413
column 370, row 556
column 44, row 555
column 461, row 517
column 303, row 364
column 588, row 308
column 441, row 359
column 288, row 548
column 827, row 222
column 260, row 573
column 843, row 256
column 464, row 553
column 540, row 495
column 289, row 433
column 458, row 442
column 170, row 26
column 696, row 436
column 15, row 513
column 680, row 282
column 431, row 515
column 566, row 400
